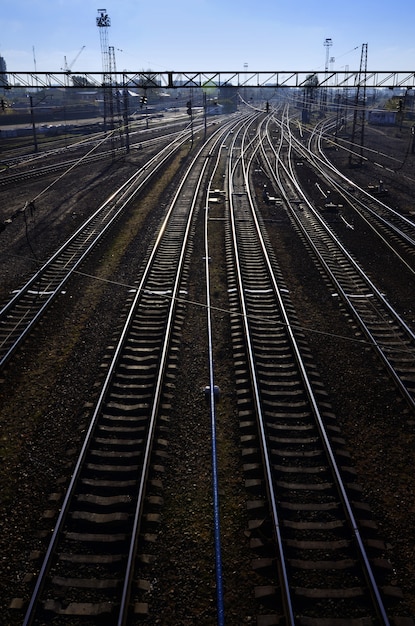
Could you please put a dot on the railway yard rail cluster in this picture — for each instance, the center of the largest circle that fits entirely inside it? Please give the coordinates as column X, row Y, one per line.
column 207, row 353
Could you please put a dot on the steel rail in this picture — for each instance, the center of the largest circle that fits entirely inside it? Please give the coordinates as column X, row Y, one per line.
column 215, row 139
column 7, row 178
column 380, row 609
column 85, row 239
column 404, row 226
column 361, row 200
column 378, row 603
column 401, row 323
column 212, row 396
column 30, row 613
column 388, row 309
column 286, row 592
column 213, row 391
column 105, row 390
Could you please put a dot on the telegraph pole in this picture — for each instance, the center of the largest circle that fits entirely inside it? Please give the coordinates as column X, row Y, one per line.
column 126, row 128
column 32, row 117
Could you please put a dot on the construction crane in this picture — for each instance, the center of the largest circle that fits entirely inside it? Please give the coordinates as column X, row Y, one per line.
column 67, row 68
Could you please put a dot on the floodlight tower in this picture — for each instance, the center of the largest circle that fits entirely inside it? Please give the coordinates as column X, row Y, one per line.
column 245, row 78
column 103, row 23
column 328, row 42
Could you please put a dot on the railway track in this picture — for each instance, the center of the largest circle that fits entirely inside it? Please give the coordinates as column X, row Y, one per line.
column 8, row 180
column 395, row 230
column 315, row 541
column 15, row 157
column 89, row 151
column 23, row 311
column 113, row 500
column 382, row 326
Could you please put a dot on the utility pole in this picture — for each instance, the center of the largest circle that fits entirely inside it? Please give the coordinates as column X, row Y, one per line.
column 346, row 100
column 126, row 128
column 32, row 117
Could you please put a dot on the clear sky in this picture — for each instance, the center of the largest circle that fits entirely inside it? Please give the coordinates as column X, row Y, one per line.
column 208, row 35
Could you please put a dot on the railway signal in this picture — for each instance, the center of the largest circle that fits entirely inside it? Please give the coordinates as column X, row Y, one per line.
column 143, row 101
column 190, row 112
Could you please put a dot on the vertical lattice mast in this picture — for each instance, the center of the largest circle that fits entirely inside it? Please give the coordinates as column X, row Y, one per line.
column 327, row 44
column 103, row 23
column 359, row 115
column 115, row 91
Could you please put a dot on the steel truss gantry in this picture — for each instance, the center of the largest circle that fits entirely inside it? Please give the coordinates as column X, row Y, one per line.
column 183, row 80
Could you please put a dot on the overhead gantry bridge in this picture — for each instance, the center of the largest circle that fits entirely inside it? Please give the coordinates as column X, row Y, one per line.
column 179, row 80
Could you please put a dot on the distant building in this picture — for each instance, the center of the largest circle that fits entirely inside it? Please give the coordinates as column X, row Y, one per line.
column 4, row 81
column 382, row 118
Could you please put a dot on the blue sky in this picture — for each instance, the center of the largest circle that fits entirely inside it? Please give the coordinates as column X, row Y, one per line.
column 208, row 35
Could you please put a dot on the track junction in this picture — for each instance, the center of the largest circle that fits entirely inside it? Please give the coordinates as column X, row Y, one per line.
column 316, row 551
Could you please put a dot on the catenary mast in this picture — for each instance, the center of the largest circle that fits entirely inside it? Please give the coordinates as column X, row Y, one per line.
column 359, row 114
